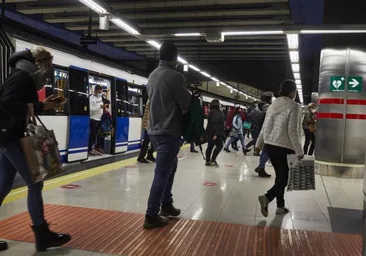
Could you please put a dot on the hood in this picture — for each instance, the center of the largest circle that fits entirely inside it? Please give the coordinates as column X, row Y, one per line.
column 282, row 104
column 23, row 55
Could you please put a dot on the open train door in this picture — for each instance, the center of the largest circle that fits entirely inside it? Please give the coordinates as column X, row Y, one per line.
column 79, row 114
column 120, row 113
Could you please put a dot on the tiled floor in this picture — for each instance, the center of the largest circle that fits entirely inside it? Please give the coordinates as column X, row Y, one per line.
column 233, row 199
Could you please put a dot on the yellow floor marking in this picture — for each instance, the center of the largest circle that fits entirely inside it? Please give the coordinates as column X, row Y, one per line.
column 19, row 193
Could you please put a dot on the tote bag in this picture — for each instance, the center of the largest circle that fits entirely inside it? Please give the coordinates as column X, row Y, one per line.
column 301, row 174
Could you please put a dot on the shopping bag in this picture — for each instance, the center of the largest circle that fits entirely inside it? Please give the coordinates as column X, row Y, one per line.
column 247, row 125
column 41, row 152
column 301, row 174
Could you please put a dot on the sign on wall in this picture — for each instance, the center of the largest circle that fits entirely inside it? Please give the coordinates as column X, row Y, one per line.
column 354, row 84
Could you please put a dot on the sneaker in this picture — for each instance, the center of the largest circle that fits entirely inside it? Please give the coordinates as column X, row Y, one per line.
column 3, row 246
column 208, row 164
column 246, row 151
column 168, row 210
column 151, row 159
column 92, row 153
column 227, row 150
column 214, row 163
column 263, row 201
column 282, row 210
column 262, row 173
column 155, row 222
column 142, row 160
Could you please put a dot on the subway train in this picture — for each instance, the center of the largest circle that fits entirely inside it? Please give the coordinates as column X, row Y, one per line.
column 75, row 78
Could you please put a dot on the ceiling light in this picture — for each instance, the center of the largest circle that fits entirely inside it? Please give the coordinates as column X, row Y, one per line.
column 295, row 67
column 224, row 84
column 154, row 43
column 231, row 91
column 205, row 74
column 293, row 41
column 181, row 60
column 294, row 56
column 185, row 68
column 355, row 31
column 187, row 34
column 297, row 75
column 125, row 26
column 215, row 79
column 94, row 6
column 194, row 68
column 248, row 33
column 217, row 83
column 298, row 81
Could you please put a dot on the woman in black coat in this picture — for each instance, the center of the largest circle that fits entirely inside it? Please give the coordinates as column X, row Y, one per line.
column 215, row 132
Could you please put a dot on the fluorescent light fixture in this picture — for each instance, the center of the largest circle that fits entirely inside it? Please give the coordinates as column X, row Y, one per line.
column 294, row 56
column 185, row 68
column 231, row 91
column 355, row 31
column 224, row 84
column 249, row 33
column 181, row 60
column 94, row 6
column 215, row 79
column 194, row 68
column 298, row 81
column 187, row 34
column 217, row 83
column 297, row 75
column 154, row 43
column 125, row 26
column 293, row 41
column 205, row 74
column 295, row 67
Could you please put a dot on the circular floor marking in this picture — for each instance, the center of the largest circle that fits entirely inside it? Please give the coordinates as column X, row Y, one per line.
column 209, row 184
column 70, row 186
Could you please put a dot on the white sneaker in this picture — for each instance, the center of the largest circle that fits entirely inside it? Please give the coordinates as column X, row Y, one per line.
column 282, row 210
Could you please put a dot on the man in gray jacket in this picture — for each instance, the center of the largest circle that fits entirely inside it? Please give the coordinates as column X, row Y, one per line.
column 169, row 99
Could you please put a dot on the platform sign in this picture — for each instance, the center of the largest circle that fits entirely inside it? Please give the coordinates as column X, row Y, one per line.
column 354, row 84
column 337, row 83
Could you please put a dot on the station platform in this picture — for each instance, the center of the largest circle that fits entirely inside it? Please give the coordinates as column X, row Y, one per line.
column 103, row 208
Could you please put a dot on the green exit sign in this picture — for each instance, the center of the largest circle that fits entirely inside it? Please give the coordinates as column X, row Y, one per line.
column 354, row 84
column 338, row 84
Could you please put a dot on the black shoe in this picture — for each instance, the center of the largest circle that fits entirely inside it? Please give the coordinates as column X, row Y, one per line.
column 155, row 222
column 256, row 154
column 194, row 151
column 263, row 174
column 142, row 160
column 214, row 163
column 45, row 238
column 151, row 159
column 208, row 164
column 227, row 150
column 3, row 246
column 235, row 148
column 168, row 210
column 246, row 151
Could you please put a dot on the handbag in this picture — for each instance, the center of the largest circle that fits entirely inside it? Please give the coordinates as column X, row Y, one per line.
column 41, row 151
column 301, row 174
column 247, row 125
column 312, row 127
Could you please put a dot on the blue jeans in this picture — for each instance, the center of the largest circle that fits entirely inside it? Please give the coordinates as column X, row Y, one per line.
column 263, row 159
column 232, row 139
column 12, row 161
column 167, row 148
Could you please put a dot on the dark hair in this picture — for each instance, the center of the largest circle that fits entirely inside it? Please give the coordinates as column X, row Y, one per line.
column 267, row 97
column 287, row 87
column 168, row 52
column 215, row 104
column 236, row 111
column 98, row 88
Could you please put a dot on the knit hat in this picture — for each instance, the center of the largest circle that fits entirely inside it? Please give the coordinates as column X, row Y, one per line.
column 168, row 52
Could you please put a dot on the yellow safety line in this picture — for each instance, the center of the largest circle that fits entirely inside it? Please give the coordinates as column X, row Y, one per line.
column 19, row 193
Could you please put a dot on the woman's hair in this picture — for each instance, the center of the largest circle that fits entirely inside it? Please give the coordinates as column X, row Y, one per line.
column 215, row 104
column 287, row 87
column 42, row 57
column 311, row 106
column 236, row 111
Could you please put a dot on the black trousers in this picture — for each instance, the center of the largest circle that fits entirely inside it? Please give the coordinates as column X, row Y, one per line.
column 309, row 138
column 218, row 143
column 145, row 146
column 278, row 157
column 94, row 130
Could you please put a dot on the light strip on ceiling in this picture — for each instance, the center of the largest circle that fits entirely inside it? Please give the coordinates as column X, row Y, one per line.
column 181, row 60
column 194, row 68
column 355, row 31
column 94, row 6
column 215, row 79
column 295, row 67
column 187, row 34
column 205, row 74
column 293, row 41
column 154, row 44
column 120, row 23
column 297, row 75
column 294, row 56
column 249, row 33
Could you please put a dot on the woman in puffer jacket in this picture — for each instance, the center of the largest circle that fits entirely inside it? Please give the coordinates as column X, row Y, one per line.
column 18, row 97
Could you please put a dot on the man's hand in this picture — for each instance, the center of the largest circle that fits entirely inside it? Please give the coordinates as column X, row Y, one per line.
column 214, row 137
column 257, row 151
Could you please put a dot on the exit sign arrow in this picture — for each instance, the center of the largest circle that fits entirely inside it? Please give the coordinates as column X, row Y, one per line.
column 354, row 83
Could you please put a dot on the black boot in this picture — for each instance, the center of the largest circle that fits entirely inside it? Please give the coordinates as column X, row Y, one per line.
column 168, row 210
column 155, row 221
column 151, row 158
column 45, row 238
column 3, row 246
column 246, row 151
column 142, row 160
column 262, row 173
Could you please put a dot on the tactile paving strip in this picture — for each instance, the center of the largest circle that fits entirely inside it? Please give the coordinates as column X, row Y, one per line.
column 121, row 233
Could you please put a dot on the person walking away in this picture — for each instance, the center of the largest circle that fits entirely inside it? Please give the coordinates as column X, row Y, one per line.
column 96, row 107
column 145, row 144
column 18, row 98
column 169, row 99
column 237, row 132
column 308, row 126
column 229, row 126
column 256, row 117
column 281, row 136
column 215, row 133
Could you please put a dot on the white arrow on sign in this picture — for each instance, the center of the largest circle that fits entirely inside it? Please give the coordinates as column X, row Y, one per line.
column 354, row 83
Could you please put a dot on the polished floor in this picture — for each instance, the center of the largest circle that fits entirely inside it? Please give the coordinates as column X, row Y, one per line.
column 226, row 194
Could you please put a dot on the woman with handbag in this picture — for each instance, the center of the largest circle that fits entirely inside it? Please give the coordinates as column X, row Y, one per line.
column 18, row 100
column 215, row 133
column 308, row 125
column 237, row 132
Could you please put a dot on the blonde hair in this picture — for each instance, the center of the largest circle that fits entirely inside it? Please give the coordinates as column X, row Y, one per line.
column 311, row 106
column 42, row 57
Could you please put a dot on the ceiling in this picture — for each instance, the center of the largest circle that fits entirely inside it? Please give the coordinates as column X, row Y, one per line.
column 258, row 61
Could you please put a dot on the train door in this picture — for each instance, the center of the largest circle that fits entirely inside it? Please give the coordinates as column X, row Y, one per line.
column 135, row 112
column 79, row 114
column 121, row 116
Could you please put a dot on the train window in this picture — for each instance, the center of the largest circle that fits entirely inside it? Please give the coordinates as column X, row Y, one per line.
column 121, row 98
column 78, row 92
column 135, row 107
column 59, row 87
column 105, row 83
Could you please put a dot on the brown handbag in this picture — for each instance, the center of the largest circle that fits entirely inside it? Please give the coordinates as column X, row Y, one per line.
column 312, row 127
